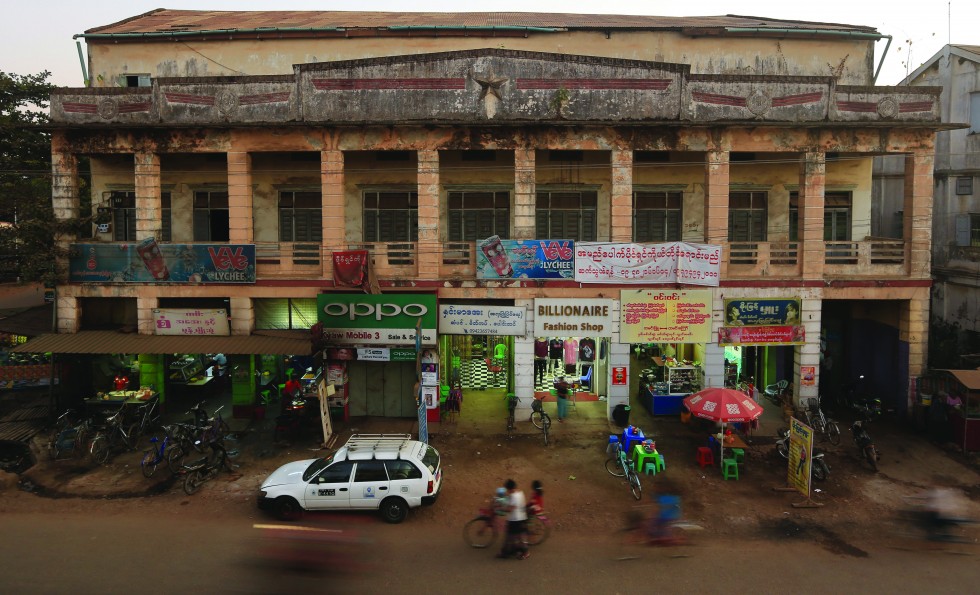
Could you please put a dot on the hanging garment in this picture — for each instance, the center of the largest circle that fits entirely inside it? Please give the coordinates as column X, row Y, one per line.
column 586, row 350
column 541, row 348
column 555, row 347
column 571, row 351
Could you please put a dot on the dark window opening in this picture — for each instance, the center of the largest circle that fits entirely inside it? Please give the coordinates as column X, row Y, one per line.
column 566, row 215
column 391, row 216
column 657, row 216
column 478, row 214
column 211, row 216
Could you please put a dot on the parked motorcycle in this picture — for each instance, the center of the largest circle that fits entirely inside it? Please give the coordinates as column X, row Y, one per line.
column 819, row 466
column 865, row 444
column 198, row 472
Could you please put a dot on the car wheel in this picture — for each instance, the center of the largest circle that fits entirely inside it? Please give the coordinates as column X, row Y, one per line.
column 394, row 510
column 287, row 509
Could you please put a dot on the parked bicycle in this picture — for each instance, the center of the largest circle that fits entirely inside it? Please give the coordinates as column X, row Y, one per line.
column 158, row 452
column 481, row 532
column 71, row 435
column 821, row 424
column 540, row 418
column 182, row 442
column 620, row 466
column 113, row 438
column 147, row 418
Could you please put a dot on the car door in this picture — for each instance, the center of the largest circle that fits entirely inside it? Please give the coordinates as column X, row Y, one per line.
column 370, row 485
column 330, row 489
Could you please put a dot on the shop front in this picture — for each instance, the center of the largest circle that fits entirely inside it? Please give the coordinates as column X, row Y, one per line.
column 372, row 356
column 476, row 347
column 571, row 342
column 667, row 332
column 759, row 337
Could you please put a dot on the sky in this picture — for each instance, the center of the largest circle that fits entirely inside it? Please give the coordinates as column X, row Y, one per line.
column 38, row 37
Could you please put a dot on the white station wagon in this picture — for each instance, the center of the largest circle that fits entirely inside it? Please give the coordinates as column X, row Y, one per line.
column 386, row 472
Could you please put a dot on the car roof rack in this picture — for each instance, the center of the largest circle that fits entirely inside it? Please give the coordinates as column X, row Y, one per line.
column 360, row 443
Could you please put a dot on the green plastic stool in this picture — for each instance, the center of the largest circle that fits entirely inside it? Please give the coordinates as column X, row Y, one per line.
column 650, row 468
column 739, row 455
column 661, row 464
column 729, row 468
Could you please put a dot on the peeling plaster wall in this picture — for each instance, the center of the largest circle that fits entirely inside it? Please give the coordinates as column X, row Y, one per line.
column 851, row 60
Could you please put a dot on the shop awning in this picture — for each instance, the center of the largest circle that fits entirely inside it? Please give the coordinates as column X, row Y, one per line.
column 968, row 378
column 275, row 342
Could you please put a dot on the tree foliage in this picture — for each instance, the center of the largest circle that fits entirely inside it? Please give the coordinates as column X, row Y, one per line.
column 27, row 225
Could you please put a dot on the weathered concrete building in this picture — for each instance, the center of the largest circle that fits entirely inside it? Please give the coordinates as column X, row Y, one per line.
column 291, row 142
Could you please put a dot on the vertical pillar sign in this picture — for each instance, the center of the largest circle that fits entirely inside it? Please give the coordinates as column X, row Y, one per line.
column 423, row 415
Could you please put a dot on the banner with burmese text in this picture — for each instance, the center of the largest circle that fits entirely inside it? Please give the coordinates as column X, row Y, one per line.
column 671, row 262
column 665, row 316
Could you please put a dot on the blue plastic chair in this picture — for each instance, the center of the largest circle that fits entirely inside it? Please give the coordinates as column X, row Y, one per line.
column 587, row 379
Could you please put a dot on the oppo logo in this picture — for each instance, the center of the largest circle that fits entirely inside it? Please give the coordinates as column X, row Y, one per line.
column 376, row 311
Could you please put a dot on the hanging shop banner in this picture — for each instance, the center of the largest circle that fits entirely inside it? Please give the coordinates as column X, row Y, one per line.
column 655, row 316
column 762, row 312
column 481, row 320
column 762, row 335
column 672, row 262
column 149, row 262
column 175, row 321
column 525, row 259
column 386, row 319
column 571, row 317
column 350, row 268
column 800, row 451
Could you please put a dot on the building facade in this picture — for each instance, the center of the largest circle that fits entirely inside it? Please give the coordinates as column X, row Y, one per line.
column 261, row 155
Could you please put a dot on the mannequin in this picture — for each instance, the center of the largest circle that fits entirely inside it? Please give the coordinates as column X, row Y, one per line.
column 556, row 349
column 540, row 359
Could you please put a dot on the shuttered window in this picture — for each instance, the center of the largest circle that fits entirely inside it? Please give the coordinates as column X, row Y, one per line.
column 300, row 218
column 211, row 216
column 391, row 216
column 836, row 216
column 123, row 206
column 747, row 216
column 656, row 216
column 474, row 215
column 566, row 215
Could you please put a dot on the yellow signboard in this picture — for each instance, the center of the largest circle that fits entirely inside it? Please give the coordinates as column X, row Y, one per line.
column 800, row 455
column 665, row 316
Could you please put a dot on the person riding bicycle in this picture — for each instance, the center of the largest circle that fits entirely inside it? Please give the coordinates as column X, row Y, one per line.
column 536, row 504
column 500, row 502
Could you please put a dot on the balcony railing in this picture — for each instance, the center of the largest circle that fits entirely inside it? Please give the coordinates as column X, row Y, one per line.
column 866, row 253
column 288, row 259
column 458, row 260
column 391, row 259
column 764, row 258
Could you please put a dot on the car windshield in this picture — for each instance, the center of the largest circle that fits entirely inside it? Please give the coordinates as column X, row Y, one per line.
column 431, row 459
column 317, row 466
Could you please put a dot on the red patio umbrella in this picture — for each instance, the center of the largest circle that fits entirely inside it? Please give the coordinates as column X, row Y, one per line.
column 724, row 405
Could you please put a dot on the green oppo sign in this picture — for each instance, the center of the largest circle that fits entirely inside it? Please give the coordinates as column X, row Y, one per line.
column 387, row 319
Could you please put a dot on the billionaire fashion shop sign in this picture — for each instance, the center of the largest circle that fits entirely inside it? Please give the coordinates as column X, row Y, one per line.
column 571, row 317
column 672, row 262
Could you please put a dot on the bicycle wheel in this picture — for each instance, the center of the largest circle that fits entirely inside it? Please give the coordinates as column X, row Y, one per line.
column 100, row 449
column 833, row 432
column 193, row 482
column 614, row 467
column 81, row 442
column 537, row 530
column 133, row 435
column 149, row 463
column 872, row 457
column 480, row 532
column 635, row 488
column 545, row 426
column 536, row 418
column 175, row 457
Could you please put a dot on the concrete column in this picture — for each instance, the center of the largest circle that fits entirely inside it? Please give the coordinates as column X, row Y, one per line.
column 242, row 316
column 524, row 194
column 429, row 248
column 64, row 192
column 69, row 314
column 524, row 362
column 717, row 174
column 622, row 196
column 240, row 197
column 914, row 330
column 619, row 357
column 149, row 213
column 916, row 225
column 145, row 304
column 813, row 180
column 333, row 211
column 809, row 353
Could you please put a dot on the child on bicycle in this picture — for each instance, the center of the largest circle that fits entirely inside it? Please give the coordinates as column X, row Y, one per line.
column 536, row 506
column 500, row 502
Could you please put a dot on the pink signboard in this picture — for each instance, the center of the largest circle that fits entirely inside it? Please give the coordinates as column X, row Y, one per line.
column 762, row 335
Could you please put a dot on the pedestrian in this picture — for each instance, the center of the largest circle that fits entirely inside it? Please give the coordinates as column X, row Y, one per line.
column 515, row 542
column 562, row 389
